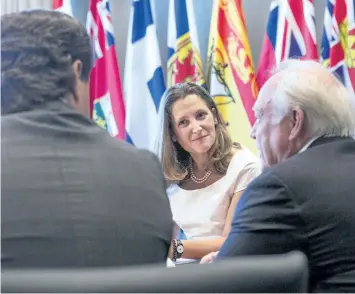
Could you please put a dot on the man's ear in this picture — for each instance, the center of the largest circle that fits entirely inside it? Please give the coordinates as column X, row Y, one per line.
column 297, row 121
column 77, row 68
column 80, row 92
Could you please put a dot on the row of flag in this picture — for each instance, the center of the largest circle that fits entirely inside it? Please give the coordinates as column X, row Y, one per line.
column 132, row 113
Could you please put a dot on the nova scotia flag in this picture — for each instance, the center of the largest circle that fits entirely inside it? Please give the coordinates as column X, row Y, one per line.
column 143, row 79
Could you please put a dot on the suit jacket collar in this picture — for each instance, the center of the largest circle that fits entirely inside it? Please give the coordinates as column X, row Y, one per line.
column 325, row 140
column 58, row 112
column 60, row 105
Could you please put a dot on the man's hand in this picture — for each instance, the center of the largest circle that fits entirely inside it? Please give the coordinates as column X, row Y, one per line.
column 209, row 257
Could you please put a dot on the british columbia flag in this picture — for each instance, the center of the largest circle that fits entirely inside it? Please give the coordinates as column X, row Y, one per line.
column 338, row 41
column 105, row 83
column 290, row 33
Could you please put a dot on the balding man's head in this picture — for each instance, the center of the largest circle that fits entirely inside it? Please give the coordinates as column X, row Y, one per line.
column 314, row 101
column 328, row 105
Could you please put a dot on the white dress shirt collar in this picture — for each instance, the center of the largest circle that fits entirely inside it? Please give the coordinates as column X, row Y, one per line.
column 305, row 147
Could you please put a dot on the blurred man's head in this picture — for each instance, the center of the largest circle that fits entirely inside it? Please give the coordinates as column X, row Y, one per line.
column 45, row 56
column 300, row 102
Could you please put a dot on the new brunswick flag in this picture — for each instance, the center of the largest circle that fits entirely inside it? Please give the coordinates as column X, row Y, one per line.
column 232, row 81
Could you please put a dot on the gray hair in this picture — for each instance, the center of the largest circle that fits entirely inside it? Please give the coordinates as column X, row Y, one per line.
column 328, row 106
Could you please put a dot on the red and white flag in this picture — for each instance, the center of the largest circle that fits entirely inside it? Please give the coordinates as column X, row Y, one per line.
column 105, row 83
column 64, row 6
column 290, row 33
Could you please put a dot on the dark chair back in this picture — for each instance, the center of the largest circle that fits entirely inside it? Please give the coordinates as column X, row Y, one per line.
column 275, row 273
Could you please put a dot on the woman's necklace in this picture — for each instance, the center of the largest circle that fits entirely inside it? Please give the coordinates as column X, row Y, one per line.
column 199, row 180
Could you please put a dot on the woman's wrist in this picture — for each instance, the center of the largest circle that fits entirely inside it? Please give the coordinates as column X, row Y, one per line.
column 176, row 249
column 171, row 250
column 174, row 255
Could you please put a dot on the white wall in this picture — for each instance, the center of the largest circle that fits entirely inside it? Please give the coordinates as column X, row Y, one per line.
column 8, row 6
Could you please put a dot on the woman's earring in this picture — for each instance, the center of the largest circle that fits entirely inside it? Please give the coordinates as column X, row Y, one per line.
column 174, row 139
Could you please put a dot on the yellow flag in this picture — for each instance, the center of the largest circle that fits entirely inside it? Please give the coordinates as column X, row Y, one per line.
column 232, row 81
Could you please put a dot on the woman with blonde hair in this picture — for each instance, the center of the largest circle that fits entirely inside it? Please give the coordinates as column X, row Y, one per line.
column 205, row 171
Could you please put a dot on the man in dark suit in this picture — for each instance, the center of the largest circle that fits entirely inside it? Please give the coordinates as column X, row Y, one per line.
column 304, row 200
column 71, row 196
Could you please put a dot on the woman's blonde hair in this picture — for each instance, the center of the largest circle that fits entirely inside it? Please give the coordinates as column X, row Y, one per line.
column 175, row 160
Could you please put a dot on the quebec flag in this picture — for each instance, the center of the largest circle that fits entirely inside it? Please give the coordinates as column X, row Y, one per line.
column 143, row 78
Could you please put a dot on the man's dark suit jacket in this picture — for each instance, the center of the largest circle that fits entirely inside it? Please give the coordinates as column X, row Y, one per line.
column 306, row 203
column 72, row 196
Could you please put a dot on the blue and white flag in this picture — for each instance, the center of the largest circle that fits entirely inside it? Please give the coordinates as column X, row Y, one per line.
column 143, row 78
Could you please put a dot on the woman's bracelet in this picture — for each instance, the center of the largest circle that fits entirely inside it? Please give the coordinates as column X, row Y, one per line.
column 174, row 243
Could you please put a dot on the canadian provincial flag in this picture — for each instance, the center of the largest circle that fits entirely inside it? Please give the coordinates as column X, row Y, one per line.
column 64, row 6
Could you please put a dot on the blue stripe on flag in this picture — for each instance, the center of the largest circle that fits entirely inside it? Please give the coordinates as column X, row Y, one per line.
column 272, row 26
column 142, row 18
column 339, row 73
column 330, row 7
column 295, row 50
column 108, row 6
column 325, row 46
column 171, row 52
column 182, row 22
column 156, row 86
column 325, row 42
column 129, row 139
column 110, row 39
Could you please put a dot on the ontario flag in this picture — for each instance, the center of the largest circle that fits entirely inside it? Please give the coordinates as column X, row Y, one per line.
column 184, row 61
column 290, row 33
column 232, row 81
column 105, row 83
column 338, row 40
column 64, row 6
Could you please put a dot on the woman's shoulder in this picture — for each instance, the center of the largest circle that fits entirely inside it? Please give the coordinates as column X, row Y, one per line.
column 243, row 159
column 173, row 190
column 243, row 169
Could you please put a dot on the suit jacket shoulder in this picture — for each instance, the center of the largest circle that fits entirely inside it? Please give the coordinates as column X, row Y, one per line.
column 326, row 159
column 88, row 199
column 305, row 203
